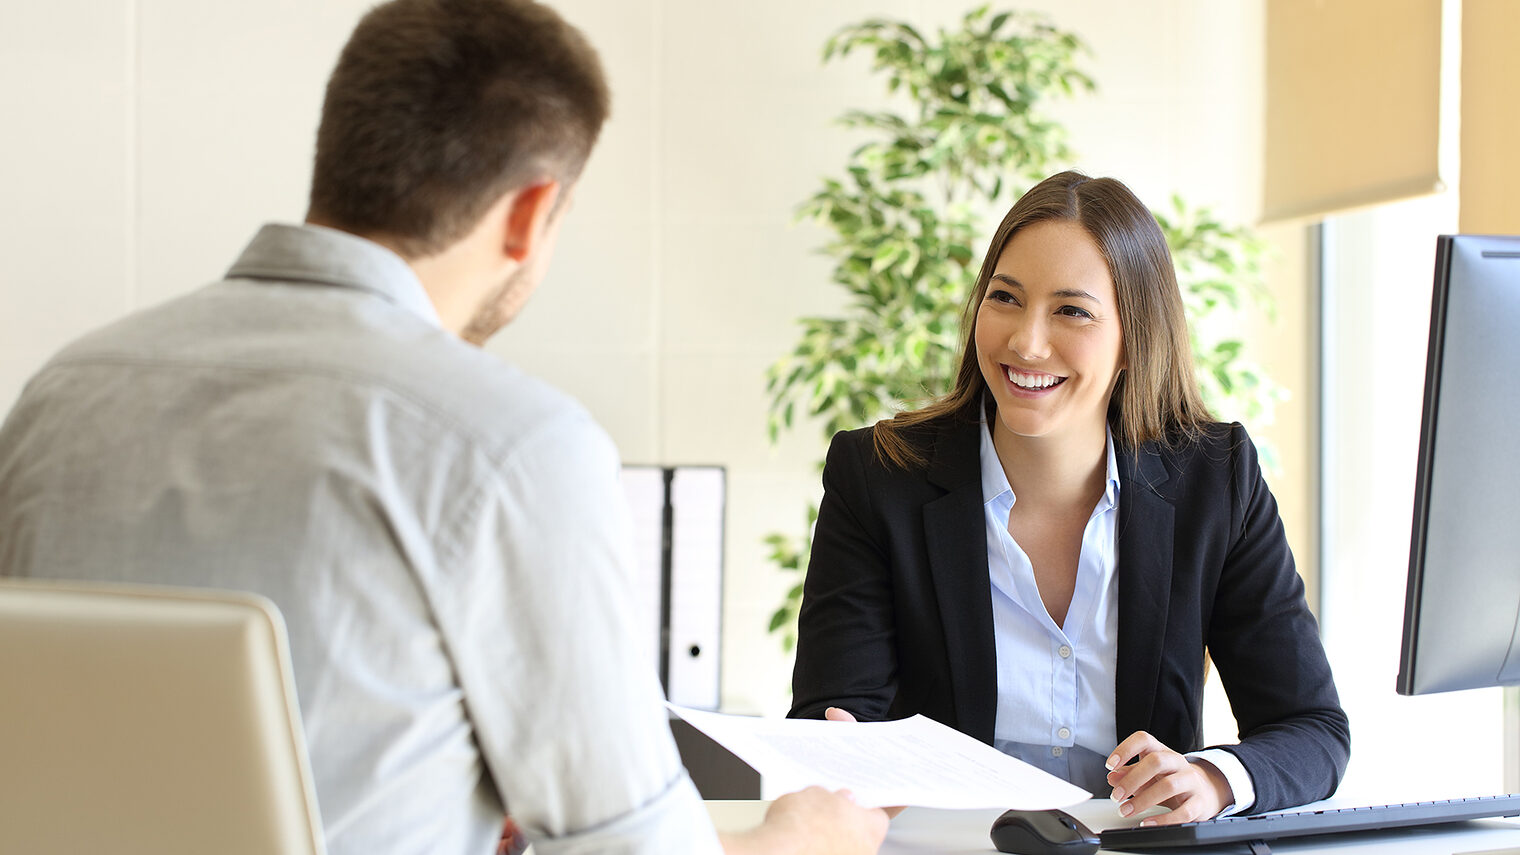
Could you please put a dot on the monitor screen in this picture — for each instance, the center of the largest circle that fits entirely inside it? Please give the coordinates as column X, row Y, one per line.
column 1462, row 606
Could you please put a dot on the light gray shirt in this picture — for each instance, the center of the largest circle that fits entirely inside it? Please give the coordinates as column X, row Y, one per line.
column 441, row 532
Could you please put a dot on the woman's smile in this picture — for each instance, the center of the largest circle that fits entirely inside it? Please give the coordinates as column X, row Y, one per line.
column 1031, row 383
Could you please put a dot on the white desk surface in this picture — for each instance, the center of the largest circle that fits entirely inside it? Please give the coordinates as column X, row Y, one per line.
column 947, row 832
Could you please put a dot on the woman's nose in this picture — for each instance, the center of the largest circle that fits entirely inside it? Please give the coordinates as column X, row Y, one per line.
column 1029, row 340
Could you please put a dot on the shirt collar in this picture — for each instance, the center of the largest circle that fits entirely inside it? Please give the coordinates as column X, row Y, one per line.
column 995, row 480
column 322, row 256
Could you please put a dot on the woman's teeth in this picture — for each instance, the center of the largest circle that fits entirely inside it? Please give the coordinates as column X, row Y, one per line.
column 1032, row 381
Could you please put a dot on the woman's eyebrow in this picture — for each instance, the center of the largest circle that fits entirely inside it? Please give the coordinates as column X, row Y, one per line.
column 1064, row 293
column 1077, row 294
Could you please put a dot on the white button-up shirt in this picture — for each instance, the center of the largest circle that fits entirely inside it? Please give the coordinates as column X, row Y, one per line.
column 1056, row 699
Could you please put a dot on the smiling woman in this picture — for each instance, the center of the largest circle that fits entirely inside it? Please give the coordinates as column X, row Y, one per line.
column 1048, row 337
column 1043, row 557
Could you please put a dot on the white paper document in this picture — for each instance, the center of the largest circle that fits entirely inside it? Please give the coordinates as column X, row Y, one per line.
column 915, row 761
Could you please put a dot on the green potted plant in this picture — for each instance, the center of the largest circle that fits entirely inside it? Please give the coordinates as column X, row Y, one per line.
column 910, row 214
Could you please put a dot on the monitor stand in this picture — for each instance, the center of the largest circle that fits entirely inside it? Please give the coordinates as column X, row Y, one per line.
column 1511, row 758
column 1512, row 739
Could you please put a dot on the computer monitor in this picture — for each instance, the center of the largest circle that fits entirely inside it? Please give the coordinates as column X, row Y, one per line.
column 1462, row 606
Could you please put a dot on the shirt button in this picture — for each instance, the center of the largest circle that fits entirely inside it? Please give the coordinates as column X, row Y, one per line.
column 1064, row 733
column 1065, row 652
column 1057, row 751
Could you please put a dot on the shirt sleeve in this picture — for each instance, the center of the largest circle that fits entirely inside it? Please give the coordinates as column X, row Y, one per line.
column 563, row 698
column 1235, row 774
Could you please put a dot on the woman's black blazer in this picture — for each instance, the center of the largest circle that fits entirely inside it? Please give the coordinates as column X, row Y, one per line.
column 897, row 608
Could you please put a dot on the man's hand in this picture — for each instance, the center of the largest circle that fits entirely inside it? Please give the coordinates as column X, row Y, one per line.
column 837, row 714
column 512, row 841
column 1161, row 776
column 811, row 821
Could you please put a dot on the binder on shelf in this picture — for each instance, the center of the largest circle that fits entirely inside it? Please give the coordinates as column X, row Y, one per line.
column 677, row 515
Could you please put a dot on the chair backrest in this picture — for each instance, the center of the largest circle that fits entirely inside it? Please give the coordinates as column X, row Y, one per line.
column 149, row 720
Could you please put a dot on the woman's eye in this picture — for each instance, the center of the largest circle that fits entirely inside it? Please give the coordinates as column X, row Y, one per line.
column 1075, row 312
column 1001, row 297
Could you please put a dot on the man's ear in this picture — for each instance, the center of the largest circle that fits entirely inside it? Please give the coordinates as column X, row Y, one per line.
column 527, row 215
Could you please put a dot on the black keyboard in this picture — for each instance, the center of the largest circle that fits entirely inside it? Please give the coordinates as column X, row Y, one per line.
column 1249, row 829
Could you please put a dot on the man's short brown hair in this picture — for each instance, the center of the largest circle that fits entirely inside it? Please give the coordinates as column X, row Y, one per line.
column 438, row 107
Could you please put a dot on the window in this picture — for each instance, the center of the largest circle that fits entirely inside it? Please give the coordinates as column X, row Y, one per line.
column 1378, row 269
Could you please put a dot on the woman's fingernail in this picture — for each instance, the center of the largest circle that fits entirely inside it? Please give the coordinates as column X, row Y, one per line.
column 1118, row 794
column 1112, row 763
column 1147, row 822
column 1126, row 809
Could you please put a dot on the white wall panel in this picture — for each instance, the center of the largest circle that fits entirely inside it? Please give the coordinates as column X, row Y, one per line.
column 66, row 157
column 230, row 98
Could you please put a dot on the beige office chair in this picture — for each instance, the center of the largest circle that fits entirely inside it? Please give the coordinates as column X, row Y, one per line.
column 149, row 720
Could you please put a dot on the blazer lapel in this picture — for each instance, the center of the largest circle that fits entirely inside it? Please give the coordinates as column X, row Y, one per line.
column 1146, row 520
column 956, row 539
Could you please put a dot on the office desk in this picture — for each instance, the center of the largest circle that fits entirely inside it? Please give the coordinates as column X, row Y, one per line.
column 918, row 831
